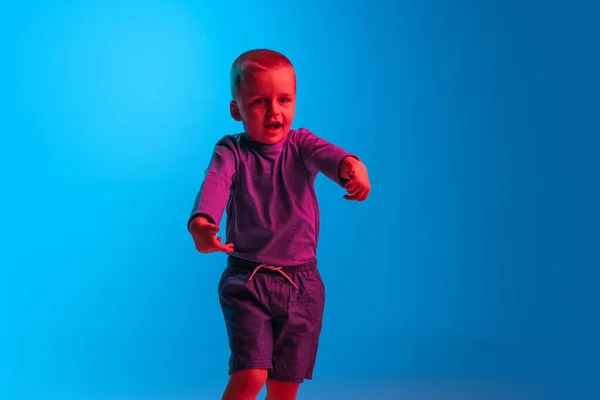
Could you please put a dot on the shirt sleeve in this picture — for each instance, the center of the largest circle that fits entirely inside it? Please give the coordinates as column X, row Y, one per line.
column 322, row 156
column 214, row 193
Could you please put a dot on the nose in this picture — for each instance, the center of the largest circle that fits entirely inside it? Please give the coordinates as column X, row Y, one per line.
column 273, row 108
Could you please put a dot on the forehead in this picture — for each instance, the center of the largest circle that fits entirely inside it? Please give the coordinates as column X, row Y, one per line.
column 281, row 79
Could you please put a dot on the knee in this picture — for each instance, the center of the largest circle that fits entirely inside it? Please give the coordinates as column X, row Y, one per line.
column 248, row 383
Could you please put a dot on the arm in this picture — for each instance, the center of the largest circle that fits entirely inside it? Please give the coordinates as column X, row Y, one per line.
column 214, row 194
column 211, row 201
column 322, row 156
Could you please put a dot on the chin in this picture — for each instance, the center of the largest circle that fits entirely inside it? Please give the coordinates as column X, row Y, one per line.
column 270, row 138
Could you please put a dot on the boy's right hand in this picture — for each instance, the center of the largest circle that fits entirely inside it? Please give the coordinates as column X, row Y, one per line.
column 204, row 234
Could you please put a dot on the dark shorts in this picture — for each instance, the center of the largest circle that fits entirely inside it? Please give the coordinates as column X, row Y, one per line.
column 272, row 324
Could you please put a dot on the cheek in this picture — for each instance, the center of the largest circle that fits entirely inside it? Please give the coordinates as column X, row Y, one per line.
column 251, row 115
column 289, row 111
column 289, row 115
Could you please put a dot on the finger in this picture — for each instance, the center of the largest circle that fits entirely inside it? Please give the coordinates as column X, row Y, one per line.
column 204, row 229
column 362, row 196
column 226, row 248
column 352, row 186
column 209, row 229
column 359, row 196
column 218, row 246
column 362, row 190
column 353, row 190
column 210, row 246
column 213, row 228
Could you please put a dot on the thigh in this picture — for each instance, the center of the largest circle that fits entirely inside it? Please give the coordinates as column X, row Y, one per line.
column 247, row 320
column 296, row 336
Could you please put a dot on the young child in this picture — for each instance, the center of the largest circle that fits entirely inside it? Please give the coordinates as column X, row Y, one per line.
column 271, row 292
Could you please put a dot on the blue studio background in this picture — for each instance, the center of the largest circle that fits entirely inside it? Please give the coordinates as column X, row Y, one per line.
column 468, row 274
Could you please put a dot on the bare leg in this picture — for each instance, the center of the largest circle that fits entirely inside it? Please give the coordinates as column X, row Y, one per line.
column 245, row 385
column 281, row 390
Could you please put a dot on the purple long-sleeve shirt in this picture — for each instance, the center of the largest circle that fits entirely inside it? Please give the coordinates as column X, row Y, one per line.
column 268, row 192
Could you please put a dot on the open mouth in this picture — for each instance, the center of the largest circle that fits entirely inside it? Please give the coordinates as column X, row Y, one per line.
column 273, row 125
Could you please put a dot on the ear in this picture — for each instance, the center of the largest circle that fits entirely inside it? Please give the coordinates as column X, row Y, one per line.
column 235, row 111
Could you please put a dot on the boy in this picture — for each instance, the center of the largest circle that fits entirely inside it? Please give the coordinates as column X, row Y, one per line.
column 271, row 293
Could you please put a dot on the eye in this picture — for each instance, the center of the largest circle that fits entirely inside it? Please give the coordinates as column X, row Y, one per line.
column 285, row 100
column 257, row 101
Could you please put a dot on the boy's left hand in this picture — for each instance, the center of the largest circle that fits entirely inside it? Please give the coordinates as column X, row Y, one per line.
column 358, row 187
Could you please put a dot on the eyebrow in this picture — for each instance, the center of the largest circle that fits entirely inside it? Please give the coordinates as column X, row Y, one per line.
column 258, row 94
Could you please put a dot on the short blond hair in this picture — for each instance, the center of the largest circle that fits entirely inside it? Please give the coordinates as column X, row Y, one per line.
column 257, row 59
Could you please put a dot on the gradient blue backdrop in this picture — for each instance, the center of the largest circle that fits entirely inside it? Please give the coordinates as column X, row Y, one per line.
column 469, row 274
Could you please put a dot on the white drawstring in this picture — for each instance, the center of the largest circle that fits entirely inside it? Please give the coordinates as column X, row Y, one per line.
column 272, row 268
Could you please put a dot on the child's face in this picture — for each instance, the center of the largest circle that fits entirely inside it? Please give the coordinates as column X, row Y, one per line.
column 266, row 103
